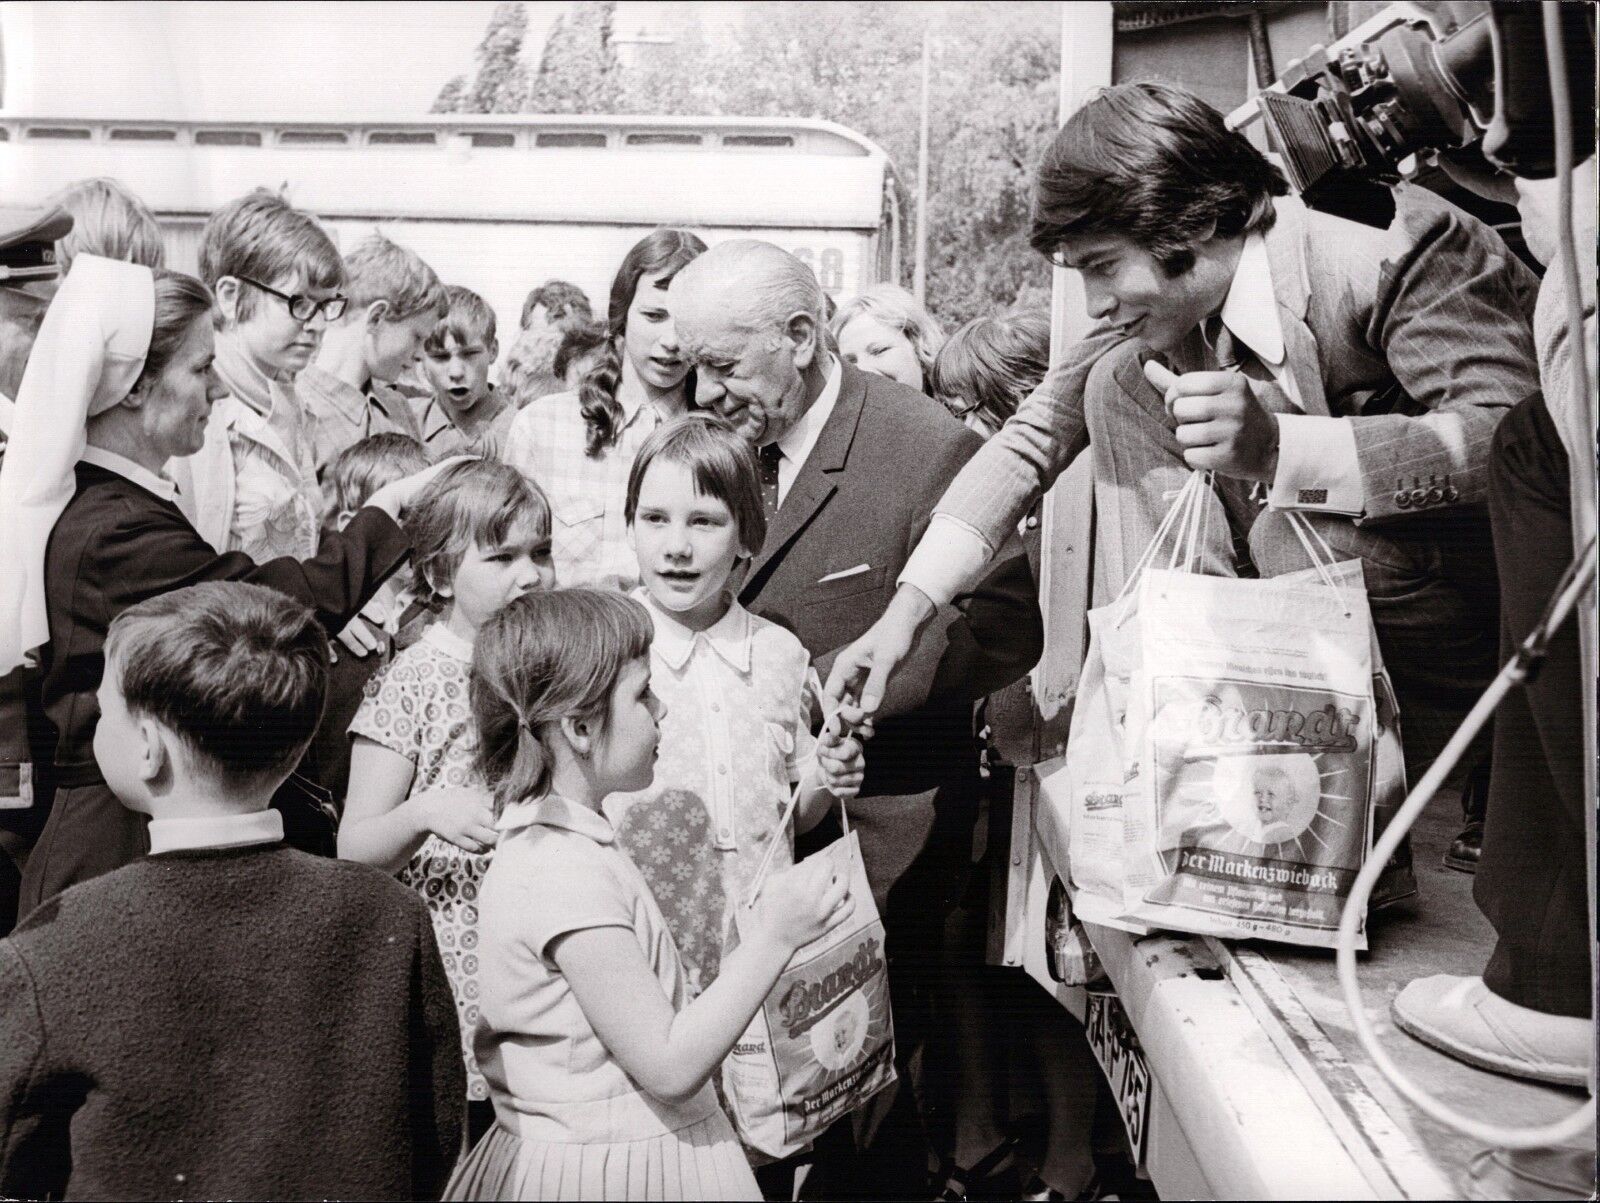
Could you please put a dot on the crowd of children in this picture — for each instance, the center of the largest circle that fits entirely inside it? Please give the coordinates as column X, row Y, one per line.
column 573, row 785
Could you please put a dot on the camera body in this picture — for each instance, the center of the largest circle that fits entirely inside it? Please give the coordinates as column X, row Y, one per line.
column 1351, row 118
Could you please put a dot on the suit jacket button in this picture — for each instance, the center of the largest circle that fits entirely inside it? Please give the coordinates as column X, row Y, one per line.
column 1402, row 499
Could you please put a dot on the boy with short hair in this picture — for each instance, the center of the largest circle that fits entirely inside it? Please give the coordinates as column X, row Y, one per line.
column 227, row 1017
column 395, row 614
column 277, row 277
column 466, row 415
column 395, row 302
column 548, row 313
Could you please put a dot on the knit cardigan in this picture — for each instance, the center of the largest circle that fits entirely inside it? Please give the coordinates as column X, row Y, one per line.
column 228, row 1023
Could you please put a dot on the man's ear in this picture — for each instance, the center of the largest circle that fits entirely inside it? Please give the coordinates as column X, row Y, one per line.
column 376, row 312
column 803, row 335
column 138, row 393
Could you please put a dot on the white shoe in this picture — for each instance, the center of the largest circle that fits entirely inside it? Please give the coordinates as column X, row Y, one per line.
column 1464, row 1018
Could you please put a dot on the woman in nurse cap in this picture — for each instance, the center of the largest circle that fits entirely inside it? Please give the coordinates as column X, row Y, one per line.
column 119, row 382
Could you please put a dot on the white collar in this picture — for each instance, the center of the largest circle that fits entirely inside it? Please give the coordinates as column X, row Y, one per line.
column 443, row 639
column 158, row 486
column 216, row 831
column 552, row 810
column 799, row 439
column 1250, row 309
column 729, row 637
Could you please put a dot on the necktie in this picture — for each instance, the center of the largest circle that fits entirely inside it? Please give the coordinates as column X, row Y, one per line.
column 769, row 456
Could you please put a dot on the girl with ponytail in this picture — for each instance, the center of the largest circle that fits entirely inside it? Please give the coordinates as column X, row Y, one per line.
column 579, row 445
column 598, row 1064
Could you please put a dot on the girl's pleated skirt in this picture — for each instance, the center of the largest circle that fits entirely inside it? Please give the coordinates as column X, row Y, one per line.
column 701, row 1161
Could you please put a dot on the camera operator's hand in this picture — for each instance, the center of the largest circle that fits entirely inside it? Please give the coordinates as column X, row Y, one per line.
column 1221, row 425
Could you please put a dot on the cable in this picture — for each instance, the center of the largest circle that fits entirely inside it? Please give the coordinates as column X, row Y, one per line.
column 1575, row 582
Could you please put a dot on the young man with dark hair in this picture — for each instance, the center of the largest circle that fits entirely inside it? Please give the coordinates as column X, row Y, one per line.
column 1349, row 373
column 226, row 1017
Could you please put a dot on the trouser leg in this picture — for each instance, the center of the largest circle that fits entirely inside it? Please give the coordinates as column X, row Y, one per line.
column 1531, row 882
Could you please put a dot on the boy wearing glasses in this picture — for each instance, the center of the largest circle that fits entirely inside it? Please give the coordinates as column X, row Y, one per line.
column 348, row 390
column 278, row 280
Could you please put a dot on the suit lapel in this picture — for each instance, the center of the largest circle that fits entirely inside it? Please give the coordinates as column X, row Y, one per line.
column 1286, row 253
column 815, row 484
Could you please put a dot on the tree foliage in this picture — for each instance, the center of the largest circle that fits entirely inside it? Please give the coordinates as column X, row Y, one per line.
column 578, row 69
column 992, row 107
column 501, row 82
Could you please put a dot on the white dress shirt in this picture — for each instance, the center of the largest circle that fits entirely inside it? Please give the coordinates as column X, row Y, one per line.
column 796, row 444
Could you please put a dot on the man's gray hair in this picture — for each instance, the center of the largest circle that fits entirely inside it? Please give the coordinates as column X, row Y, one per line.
column 773, row 284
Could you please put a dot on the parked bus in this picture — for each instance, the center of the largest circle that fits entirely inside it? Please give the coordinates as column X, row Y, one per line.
column 498, row 203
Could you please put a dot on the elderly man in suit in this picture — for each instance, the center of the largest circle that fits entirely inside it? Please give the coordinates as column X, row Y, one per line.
column 851, row 466
column 1352, row 374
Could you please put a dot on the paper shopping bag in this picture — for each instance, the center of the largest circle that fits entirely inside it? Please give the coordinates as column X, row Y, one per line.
column 822, row 1043
column 1255, row 718
column 1080, row 814
column 1399, row 879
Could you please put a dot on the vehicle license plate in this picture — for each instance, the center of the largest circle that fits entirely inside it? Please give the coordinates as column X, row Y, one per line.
column 1116, row 1047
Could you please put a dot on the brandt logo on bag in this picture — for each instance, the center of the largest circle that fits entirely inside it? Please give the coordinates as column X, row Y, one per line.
column 1332, row 728
column 806, row 1003
column 1313, row 497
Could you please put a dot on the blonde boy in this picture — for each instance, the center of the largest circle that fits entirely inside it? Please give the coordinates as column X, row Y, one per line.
column 395, row 302
column 277, row 278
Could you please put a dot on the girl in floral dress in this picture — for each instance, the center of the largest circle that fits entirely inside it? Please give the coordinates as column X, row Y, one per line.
column 480, row 537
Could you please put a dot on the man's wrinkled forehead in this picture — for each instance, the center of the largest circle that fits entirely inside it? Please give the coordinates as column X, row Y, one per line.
column 713, row 326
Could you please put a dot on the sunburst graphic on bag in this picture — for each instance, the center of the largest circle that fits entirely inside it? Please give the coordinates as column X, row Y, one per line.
column 1248, row 771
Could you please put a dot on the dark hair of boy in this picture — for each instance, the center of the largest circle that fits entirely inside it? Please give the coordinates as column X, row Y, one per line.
column 576, row 342
column 480, row 502
column 467, row 318
column 559, row 299
column 1155, row 164
column 238, row 672
column 722, row 464
column 363, row 468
